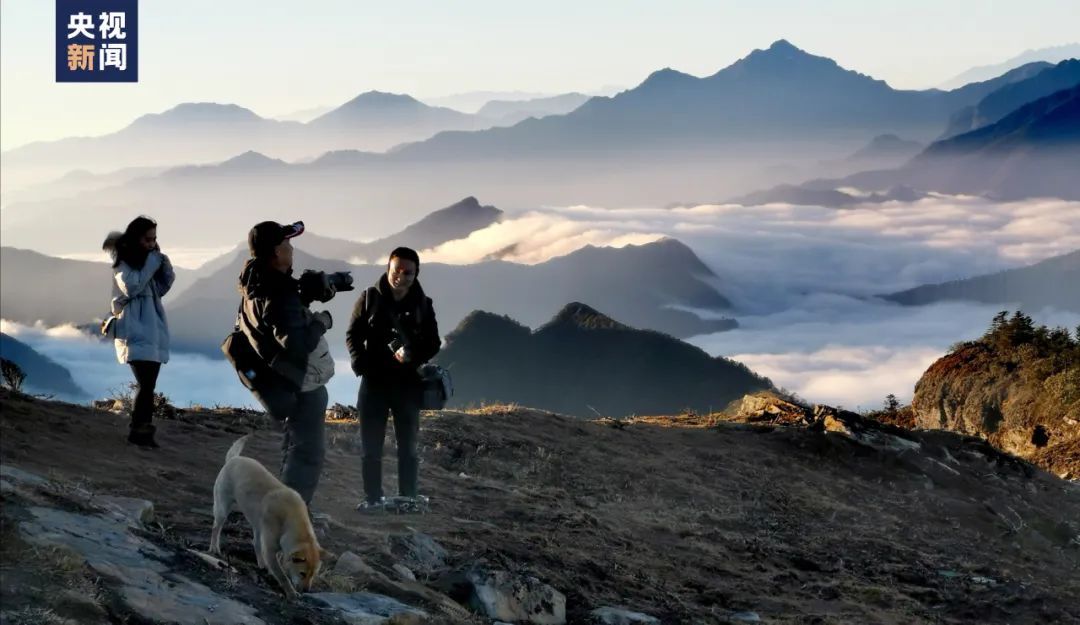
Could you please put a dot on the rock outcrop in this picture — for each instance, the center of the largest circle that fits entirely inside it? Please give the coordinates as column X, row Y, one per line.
column 1018, row 387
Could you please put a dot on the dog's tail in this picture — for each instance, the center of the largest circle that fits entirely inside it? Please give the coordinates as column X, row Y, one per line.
column 237, row 447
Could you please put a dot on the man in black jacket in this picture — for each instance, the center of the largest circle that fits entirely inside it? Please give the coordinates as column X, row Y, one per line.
column 391, row 334
column 288, row 338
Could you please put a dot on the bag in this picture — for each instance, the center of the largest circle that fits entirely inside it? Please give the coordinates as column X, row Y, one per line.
column 436, row 387
column 238, row 351
column 251, row 368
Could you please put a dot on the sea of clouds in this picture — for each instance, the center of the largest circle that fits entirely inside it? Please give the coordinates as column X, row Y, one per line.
column 802, row 280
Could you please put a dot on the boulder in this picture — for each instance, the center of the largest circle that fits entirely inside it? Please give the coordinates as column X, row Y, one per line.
column 505, row 596
column 365, row 608
column 419, row 552
column 763, row 408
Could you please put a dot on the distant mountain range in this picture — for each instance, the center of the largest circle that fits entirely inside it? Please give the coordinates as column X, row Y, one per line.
column 43, row 375
column 772, row 95
column 1010, row 97
column 586, row 364
column 204, row 133
column 1052, row 55
column 456, row 221
column 509, row 112
column 376, row 120
column 1050, row 283
column 473, row 101
column 671, row 137
column 1032, row 152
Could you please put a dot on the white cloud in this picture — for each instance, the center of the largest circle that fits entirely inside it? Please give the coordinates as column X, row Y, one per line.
column 537, row 236
column 842, row 350
column 802, row 280
column 934, row 239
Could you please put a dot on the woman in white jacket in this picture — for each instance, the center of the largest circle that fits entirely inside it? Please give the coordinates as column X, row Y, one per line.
column 142, row 275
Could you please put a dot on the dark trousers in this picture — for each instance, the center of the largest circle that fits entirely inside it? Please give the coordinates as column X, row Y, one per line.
column 146, row 375
column 303, row 447
column 376, row 400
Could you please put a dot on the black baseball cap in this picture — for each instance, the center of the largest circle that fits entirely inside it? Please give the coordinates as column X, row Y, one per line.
column 265, row 236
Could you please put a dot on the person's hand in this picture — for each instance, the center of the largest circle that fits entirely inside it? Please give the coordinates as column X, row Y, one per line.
column 402, row 355
column 324, row 318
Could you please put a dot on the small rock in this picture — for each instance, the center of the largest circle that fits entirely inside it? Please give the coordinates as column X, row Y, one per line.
column 745, row 617
column 621, row 616
column 365, row 608
column 948, row 574
column 585, row 501
column 404, row 572
column 137, row 512
column 419, row 552
column 516, row 598
column 351, row 565
column 978, row 579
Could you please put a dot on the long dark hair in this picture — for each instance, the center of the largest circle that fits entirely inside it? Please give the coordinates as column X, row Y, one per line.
column 124, row 246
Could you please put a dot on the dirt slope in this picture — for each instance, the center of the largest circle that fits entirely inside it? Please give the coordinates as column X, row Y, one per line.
column 682, row 518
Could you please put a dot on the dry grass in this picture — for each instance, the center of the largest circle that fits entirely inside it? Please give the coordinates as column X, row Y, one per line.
column 335, row 582
column 34, row 616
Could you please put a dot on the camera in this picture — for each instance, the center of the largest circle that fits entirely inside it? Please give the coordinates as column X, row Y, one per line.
column 321, row 286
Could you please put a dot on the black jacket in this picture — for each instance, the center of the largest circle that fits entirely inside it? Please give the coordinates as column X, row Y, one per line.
column 276, row 321
column 371, row 330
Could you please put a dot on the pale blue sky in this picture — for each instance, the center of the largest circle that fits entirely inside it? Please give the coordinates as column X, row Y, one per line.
column 292, row 55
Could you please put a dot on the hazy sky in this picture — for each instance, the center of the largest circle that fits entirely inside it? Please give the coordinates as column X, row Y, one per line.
column 276, row 58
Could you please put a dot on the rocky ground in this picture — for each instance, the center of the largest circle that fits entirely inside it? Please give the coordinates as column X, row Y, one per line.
column 686, row 519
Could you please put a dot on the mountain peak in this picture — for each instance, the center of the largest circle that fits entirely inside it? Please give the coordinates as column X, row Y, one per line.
column 665, row 78
column 783, row 52
column 783, row 45
column 470, row 203
column 199, row 112
column 383, row 99
column 251, row 158
column 583, row 317
column 488, row 326
column 467, row 209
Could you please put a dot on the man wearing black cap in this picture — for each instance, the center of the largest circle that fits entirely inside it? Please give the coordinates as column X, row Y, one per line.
column 392, row 332
column 289, row 339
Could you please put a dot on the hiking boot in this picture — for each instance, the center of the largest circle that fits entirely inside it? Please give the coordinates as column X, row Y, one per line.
column 143, row 436
column 368, row 506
